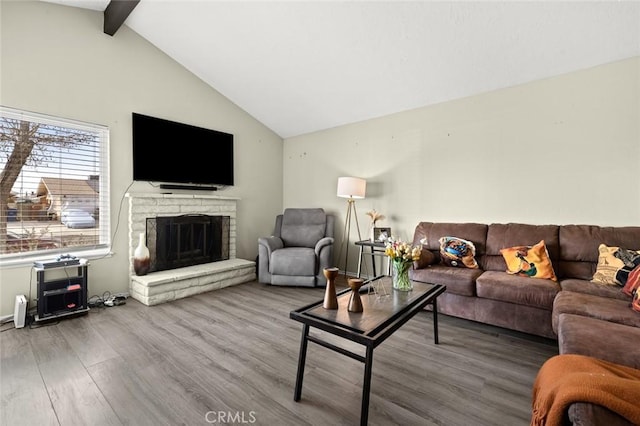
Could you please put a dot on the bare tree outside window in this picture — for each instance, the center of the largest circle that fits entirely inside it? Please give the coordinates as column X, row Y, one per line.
column 53, row 184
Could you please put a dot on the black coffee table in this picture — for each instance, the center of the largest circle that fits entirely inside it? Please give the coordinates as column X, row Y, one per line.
column 381, row 317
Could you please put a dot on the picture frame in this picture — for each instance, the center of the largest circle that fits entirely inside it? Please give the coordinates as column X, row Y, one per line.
column 379, row 233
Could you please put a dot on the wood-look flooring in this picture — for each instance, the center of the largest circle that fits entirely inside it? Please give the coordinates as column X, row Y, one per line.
column 230, row 357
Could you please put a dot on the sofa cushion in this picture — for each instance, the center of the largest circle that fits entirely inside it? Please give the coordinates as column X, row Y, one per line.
column 458, row 252
column 587, row 287
column 515, row 289
column 529, row 261
column 605, row 340
column 588, row 305
column 500, row 236
column 460, row 281
column 614, row 265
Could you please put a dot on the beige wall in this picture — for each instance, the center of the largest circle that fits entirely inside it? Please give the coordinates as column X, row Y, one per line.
column 56, row 60
column 560, row 150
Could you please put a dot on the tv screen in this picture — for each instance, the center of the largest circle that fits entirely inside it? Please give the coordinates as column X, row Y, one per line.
column 171, row 152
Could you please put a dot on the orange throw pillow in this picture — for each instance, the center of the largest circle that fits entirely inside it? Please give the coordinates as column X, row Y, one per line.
column 529, row 261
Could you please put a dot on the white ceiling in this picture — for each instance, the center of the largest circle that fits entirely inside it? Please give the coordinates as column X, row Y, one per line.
column 299, row 67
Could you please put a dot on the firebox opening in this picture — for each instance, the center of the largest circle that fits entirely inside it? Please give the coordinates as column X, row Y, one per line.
column 186, row 240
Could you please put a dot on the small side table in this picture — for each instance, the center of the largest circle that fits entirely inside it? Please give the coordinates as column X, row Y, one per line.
column 376, row 248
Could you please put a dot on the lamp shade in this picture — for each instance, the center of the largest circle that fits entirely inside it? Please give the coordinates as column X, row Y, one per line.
column 351, row 187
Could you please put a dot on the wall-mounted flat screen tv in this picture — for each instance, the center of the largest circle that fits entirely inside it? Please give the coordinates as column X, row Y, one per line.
column 171, row 152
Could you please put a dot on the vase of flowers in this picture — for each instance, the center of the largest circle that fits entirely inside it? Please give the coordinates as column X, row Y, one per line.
column 375, row 216
column 402, row 256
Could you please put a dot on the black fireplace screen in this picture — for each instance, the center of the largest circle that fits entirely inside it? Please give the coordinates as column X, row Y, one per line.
column 179, row 241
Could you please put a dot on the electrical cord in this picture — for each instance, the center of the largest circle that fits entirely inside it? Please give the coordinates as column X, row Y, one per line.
column 98, row 301
column 115, row 231
column 107, row 300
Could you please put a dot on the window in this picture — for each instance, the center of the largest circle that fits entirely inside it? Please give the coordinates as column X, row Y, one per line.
column 54, row 187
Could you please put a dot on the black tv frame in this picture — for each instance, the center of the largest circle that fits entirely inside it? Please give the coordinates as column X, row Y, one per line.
column 181, row 156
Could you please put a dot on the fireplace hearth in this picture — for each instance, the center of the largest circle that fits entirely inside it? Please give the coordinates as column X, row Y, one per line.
column 187, row 240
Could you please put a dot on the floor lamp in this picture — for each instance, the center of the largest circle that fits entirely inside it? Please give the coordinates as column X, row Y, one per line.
column 351, row 188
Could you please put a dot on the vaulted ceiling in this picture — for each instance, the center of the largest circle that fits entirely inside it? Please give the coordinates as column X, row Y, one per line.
column 303, row 66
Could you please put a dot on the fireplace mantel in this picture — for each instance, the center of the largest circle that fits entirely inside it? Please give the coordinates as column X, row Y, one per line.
column 163, row 286
column 169, row 195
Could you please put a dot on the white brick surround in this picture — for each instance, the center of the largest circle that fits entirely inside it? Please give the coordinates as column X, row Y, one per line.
column 164, row 286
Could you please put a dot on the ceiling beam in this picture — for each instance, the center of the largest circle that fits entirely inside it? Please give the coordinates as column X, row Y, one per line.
column 116, row 13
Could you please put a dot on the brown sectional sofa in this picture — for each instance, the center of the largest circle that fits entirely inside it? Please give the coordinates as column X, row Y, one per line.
column 586, row 318
column 489, row 294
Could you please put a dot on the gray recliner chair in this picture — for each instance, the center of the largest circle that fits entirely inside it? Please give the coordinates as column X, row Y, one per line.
column 299, row 249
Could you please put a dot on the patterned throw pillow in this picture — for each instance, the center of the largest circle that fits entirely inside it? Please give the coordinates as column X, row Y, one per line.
column 614, row 265
column 458, row 252
column 529, row 261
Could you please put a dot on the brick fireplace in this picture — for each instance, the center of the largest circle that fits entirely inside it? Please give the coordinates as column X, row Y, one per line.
column 166, row 285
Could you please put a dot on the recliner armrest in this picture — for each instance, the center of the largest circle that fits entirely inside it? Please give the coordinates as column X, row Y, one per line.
column 271, row 243
column 322, row 243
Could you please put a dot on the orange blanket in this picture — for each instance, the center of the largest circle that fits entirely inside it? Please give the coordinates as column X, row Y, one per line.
column 564, row 379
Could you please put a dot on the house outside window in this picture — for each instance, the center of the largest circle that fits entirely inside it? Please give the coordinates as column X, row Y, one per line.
column 54, row 187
